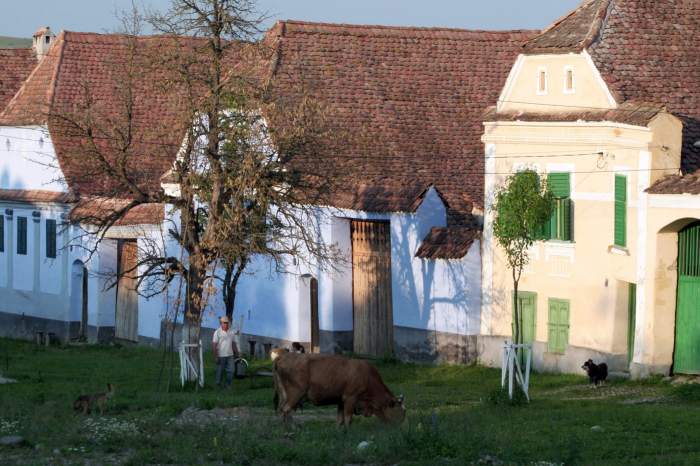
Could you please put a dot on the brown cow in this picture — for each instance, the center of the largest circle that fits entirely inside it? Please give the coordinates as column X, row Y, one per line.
column 353, row 385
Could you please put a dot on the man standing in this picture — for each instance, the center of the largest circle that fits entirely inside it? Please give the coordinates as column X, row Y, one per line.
column 224, row 348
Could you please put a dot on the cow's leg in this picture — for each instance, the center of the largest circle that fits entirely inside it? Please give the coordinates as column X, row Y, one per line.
column 292, row 399
column 340, row 418
column 348, row 409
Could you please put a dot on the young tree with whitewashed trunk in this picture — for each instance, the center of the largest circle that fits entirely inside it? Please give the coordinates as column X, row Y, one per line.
column 522, row 206
column 235, row 190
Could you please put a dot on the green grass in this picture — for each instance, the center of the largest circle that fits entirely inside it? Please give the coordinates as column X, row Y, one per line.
column 14, row 42
column 452, row 418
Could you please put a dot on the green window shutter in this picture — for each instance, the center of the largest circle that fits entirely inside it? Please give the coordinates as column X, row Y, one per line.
column 620, row 210
column 560, row 227
column 559, row 184
column 565, row 226
column 50, row 238
column 558, row 335
column 2, row 233
column 22, row 235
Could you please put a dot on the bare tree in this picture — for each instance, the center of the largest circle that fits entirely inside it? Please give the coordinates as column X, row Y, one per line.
column 230, row 141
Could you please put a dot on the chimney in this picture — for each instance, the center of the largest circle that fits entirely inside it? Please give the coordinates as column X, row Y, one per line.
column 43, row 40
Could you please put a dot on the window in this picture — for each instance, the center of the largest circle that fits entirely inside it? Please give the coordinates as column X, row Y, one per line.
column 51, row 238
column 2, row 233
column 560, row 224
column 568, row 80
column 620, row 210
column 541, row 81
column 22, row 236
column 558, row 326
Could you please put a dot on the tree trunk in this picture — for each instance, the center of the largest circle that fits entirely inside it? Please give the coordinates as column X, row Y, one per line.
column 516, row 312
column 192, row 322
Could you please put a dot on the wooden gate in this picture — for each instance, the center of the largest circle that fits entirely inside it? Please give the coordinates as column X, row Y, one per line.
column 315, row 344
column 371, row 288
column 686, row 359
column 127, row 316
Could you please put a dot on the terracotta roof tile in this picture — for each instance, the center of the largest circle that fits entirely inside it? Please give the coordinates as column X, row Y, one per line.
column 34, row 196
column 417, row 97
column 17, row 64
column 573, row 32
column 632, row 113
column 447, row 243
column 86, row 64
column 97, row 210
column 646, row 51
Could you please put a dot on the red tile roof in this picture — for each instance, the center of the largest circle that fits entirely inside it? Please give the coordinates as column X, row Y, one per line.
column 632, row 113
column 82, row 66
column 447, row 243
column 34, row 196
column 414, row 96
column 646, row 50
column 17, row 64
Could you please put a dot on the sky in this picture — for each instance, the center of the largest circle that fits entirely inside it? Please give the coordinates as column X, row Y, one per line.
column 21, row 19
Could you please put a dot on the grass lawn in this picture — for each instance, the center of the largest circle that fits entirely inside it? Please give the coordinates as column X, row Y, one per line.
column 453, row 418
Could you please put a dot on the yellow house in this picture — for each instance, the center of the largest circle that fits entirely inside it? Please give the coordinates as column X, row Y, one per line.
column 604, row 104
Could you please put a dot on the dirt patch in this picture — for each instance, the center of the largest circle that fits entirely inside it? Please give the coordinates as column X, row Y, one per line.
column 627, row 394
column 205, row 417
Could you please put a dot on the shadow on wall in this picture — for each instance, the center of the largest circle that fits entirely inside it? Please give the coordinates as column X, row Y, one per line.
column 438, row 296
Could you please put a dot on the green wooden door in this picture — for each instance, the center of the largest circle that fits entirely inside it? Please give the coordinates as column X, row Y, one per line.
column 631, row 320
column 528, row 315
column 686, row 359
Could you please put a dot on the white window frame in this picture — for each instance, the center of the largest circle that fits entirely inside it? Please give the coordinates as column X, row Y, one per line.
column 540, row 70
column 572, row 90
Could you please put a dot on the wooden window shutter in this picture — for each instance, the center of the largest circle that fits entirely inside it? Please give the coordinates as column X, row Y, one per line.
column 620, row 210
column 51, row 238
column 2, row 233
column 22, row 236
column 558, row 327
column 565, row 226
column 559, row 184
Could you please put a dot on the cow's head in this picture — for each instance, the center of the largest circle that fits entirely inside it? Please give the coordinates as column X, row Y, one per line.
column 394, row 412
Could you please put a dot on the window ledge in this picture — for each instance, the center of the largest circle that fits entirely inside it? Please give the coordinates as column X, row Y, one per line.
column 618, row 250
column 560, row 243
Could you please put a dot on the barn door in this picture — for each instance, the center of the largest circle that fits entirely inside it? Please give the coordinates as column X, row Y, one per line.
column 371, row 284
column 126, row 327
column 686, row 358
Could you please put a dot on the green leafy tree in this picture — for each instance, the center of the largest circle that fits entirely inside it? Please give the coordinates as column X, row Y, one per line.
column 523, row 205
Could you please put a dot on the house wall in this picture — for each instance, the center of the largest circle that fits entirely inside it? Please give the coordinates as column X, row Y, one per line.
column 36, row 292
column 28, row 160
column 436, row 303
column 521, row 92
column 589, row 271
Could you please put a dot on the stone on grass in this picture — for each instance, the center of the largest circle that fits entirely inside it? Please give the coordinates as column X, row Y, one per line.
column 597, row 429
column 12, row 441
column 5, row 380
column 362, row 446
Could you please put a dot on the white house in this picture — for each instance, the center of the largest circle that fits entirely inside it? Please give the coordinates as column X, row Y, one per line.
column 407, row 217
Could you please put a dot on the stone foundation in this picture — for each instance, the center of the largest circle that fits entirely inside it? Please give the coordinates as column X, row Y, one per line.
column 491, row 353
column 427, row 346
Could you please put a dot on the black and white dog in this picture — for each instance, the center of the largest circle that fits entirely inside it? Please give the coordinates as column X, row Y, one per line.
column 597, row 373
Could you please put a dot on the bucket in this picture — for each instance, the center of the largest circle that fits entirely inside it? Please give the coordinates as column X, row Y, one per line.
column 240, row 367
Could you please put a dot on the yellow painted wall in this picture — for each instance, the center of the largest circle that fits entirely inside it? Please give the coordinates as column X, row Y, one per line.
column 522, row 93
column 589, row 272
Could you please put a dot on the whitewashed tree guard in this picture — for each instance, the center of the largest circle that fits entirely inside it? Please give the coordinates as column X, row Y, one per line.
column 188, row 370
column 510, row 368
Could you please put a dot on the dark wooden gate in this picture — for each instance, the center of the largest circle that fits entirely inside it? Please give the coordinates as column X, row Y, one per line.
column 127, row 316
column 371, row 284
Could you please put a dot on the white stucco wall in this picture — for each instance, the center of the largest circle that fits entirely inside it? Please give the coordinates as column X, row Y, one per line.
column 27, row 160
